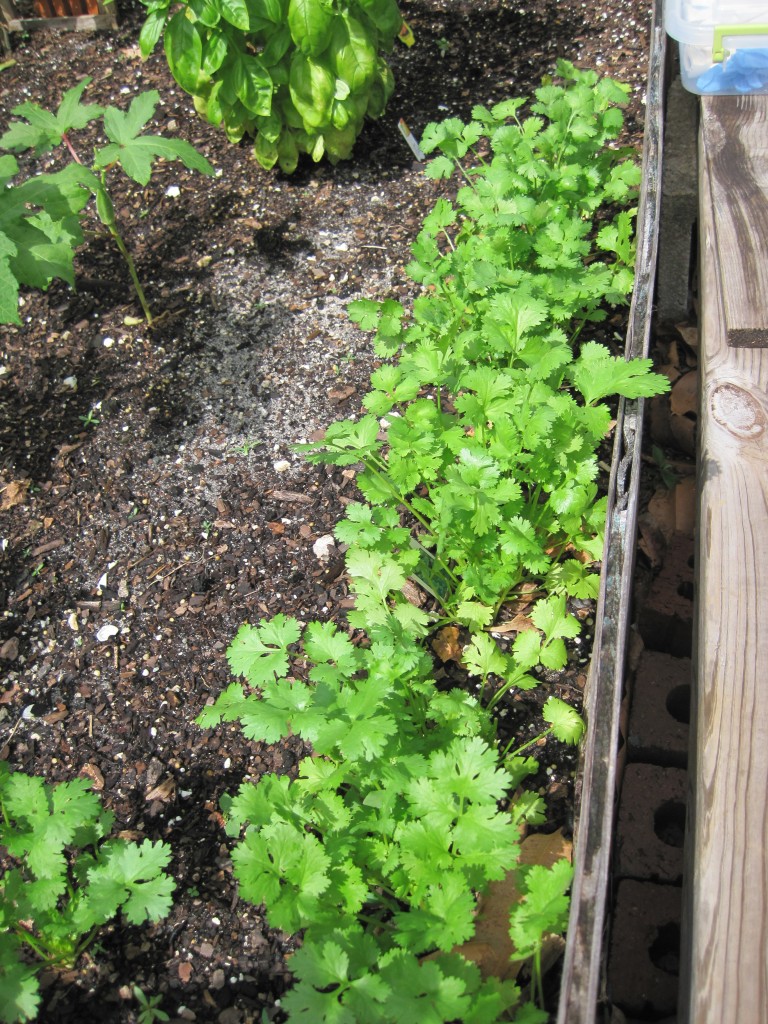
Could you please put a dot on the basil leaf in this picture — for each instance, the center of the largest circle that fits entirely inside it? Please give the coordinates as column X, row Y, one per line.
column 184, row 51
column 311, row 23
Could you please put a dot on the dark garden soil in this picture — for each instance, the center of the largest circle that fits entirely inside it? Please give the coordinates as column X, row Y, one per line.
column 150, row 500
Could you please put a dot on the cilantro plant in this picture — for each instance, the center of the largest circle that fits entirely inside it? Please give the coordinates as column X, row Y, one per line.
column 479, row 469
column 62, row 880
column 377, row 850
column 543, row 910
column 297, row 76
column 494, row 407
column 41, row 218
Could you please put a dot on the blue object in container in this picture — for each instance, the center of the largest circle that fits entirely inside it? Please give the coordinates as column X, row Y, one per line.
column 745, row 71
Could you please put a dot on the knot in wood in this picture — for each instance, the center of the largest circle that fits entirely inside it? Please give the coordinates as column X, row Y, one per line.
column 737, row 411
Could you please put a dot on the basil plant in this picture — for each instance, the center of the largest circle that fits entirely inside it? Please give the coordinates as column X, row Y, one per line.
column 297, row 76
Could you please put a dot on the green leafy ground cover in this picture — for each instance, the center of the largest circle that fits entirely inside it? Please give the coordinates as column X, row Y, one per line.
column 480, row 479
column 479, row 456
column 64, row 880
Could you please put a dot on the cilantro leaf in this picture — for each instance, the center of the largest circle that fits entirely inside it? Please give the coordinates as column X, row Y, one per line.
column 287, row 869
column 483, row 657
column 567, row 724
column 444, row 920
column 19, row 989
column 421, row 992
column 261, row 652
column 131, row 876
column 46, row 820
column 543, row 908
column 596, row 373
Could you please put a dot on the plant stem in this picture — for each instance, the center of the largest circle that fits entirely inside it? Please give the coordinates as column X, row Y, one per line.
column 109, row 220
column 382, row 476
column 464, row 174
column 71, row 148
column 450, row 240
column 132, row 271
column 525, row 746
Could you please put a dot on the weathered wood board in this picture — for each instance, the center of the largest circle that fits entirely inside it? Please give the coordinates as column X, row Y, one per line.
column 583, row 962
column 735, row 134
column 65, row 15
column 724, row 974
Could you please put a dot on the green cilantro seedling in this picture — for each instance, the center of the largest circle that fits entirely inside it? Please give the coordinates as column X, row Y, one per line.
column 63, row 881
column 494, row 405
column 566, row 725
column 149, row 1007
column 542, row 910
column 90, row 419
column 478, row 466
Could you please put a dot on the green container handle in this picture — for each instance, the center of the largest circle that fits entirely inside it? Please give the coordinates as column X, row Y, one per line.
column 719, row 52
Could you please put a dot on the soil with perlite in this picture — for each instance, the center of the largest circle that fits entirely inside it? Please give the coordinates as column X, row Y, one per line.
column 150, row 498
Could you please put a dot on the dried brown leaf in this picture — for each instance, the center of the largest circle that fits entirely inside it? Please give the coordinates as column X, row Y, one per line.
column 684, row 433
column 685, row 505
column 14, row 493
column 164, row 791
column 412, row 593
column 689, row 334
column 661, row 512
column 446, row 644
column 684, row 397
column 94, row 774
column 519, row 624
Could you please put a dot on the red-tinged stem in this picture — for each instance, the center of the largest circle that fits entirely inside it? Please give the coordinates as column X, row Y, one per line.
column 70, row 147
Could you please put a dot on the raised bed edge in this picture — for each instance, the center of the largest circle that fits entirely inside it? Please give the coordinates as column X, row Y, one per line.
column 583, row 961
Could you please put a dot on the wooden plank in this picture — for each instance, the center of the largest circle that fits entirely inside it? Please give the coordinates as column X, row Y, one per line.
column 106, row 18
column 735, row 133
column 725, row 925
column 7, row 11
column 583, row 962
column 82, row 23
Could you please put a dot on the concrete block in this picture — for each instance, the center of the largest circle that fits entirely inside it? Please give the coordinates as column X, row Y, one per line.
column 679, row 207
column 644, row 957
column 651, row 824
column 660, row 710
column 666, row 617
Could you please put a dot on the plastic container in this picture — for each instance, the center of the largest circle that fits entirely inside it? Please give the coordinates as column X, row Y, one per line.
column 723, row 44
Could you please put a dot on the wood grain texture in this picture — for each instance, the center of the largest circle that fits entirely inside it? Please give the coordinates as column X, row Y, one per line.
column 725, row 928
column 735, row 134
column 64, row 15
column 583, row 961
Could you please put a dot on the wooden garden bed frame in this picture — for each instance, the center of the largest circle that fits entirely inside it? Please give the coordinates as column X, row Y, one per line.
column 724, row 975
column 583, row 964
column 724, row 955
column 61, row 14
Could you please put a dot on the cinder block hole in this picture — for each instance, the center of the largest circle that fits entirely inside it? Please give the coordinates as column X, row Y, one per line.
column 665, row 948
column 669, row 823
column 685, row 589
column 679, row 703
